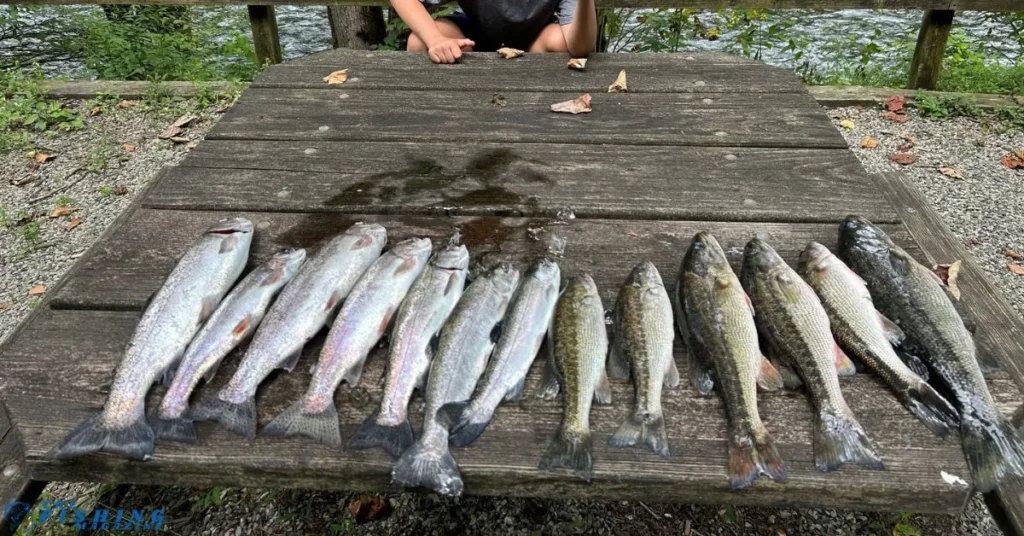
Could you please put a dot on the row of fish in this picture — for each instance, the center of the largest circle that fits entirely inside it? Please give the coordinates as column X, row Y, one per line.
column 445, row 338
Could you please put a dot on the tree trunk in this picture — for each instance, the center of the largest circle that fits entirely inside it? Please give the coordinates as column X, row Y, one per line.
column 356, row 26
column 931, row 47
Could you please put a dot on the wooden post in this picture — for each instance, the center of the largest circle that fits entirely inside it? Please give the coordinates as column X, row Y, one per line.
column 931, row 47
column 359, row 27
column 264, row 34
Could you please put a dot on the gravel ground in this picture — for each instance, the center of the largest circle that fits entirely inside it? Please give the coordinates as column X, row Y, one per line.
column 986, row 209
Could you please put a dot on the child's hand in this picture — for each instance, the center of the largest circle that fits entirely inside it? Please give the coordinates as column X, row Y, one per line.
column 448, row 50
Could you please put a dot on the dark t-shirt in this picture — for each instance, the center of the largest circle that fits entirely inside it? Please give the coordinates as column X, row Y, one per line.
column 513, row 23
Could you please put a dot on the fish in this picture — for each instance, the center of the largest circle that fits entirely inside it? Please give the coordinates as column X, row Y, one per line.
column 466, row 341
column 915, row 299
column 642, row 348
column 235, row 319
column 361, row 322
column 523, row 332
column 717, row 320
column 791, row 318
column 175, row 313
column 868, row 335
column 428, row 305
column 304, row 307
column 579, row 349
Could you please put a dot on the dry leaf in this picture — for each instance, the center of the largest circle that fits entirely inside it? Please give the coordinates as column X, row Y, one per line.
column 577, row 64
column 1014, row 160
column 1016, row 268
column 120, row 190
column 949, row 274
column 580, row 105
column 895, row 103
column 903, row 159
column 62, row 211
column 37, row 290
column 620, row 83
column 5, row 306
column 847, row 124
column 1014, row 255
column 129, row 148
column 509, row 53
column 75, row 222
column 126, row 104
column 43, row 157
column 951, row 172
column 171, row 132
column 369, row 508
column 869, row 143
column 895, row 117
column 179, row 139
column 337, row 77
column 183, row 121
column 909, row 145
column 96, row 110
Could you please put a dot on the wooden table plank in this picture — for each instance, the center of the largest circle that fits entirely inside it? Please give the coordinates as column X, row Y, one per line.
column 15, row 484
column 393, row 59
column 654, row 73
column 668, row 183
column 704, row 119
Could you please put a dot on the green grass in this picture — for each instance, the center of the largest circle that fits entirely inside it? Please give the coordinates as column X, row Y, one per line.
column 65, row 201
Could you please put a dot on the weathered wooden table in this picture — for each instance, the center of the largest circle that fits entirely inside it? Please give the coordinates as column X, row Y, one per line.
column 701, row 141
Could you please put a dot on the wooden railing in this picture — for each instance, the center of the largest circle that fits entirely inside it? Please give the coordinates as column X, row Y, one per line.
column 925, row 67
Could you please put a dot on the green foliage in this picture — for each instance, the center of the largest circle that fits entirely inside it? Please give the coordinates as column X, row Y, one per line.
column 1006, row 118
column 397, row 35
column 213, row 497
column 106, row 191
column 30, row 232
column 65, row 201
column 24, row 108
column 904, row 526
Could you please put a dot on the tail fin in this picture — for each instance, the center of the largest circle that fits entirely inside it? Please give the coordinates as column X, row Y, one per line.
column 238, row 418
column 570, row 451
column 751, row 459
column 769, row 378
column 93, row 435
column 931, row 408
column 322, row 426
column 994, row 450
column 393, row 439
column 181, row 429
column 469, row 424
column 839, row 439
column 649, row 429
column 429, row 466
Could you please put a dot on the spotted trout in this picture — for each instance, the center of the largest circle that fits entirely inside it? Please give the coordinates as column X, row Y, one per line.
column 305, row 306
column 466, row 342
column 362, row 321
column 790, row 316
column 234, row 320
column 717, row 321
column 426, row 308
column 576, row 367
column 914, row 298
column 187, row 298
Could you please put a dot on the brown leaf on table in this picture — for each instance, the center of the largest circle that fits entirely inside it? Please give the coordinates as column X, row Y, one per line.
column 509, row 53
column 75, row 222
column 120, row 190
column 183, row 121
column 37, row 290
column 62, row 211
column 1014, row 160
column 895, row 117
column 951, row 172
column 43, row 157
column 949, row 273
column 1016, row 268
column 337, row 77
column 579, row 105
column 126, row 104
column 171, row 132
column 1014, row 255
column 903, row 159
column 369, row 508
column 95, row 110
column 869, row 143
column 577, row 64
column 895, row 103
column 619, row 86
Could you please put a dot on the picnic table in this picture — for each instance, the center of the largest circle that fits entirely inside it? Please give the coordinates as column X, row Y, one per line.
column 700, row 142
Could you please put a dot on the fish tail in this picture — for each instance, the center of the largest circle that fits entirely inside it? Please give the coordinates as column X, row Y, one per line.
column 321, row 426
column 179, row 429
column 94, row 435
column 750, row 457
column 839, row 439
column 994, row 449
column 646, row 428
column 931, row 408
column 570, row 451
column 239, row 418
column 393, row 439
column 430, row 466
column 469, row 422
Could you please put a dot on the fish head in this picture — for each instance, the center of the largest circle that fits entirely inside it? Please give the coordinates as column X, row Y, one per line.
column 761, row 260
column 504, row 276
column 580, row 289
column 451, row 257
column 705, row 257
column 232, row 226
column 370, row 234
column 546, row 271
column 413, row 249
column 815, row 259
column 858, row 236
column 645, row 276
column 287, row 261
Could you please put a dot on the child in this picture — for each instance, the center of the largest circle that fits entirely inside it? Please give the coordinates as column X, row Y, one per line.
column 486, row 25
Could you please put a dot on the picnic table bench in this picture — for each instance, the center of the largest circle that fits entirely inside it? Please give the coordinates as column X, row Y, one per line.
column 700, row 142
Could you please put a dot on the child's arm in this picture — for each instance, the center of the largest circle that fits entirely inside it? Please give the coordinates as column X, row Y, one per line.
column 581, row 33
column 441, row 49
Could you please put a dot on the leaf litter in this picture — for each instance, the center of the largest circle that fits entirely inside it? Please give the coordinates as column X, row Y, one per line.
column 577, row 64
column 337, row 77
column 580, row 105
column 869, row 143
column 949, row 273
column 509, row 53
column 619, row 86
column 903, row 159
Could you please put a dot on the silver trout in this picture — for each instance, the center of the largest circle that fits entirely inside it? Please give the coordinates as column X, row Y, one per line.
column 913, row 296
column 234, row 320
column 303, row 309
column 717, row 321
column 187, row 298
column 579, row 343
column 467, row 340
column 362, row 321
column 426, row 308
column 865, row 333
column 522, row 333
column 642, row 347
column 790, row 316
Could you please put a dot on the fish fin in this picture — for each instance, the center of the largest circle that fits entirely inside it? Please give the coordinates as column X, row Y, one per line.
column 702, row 372
column 355, row 372
column 407, row 266
column 602, row 390
column 212, row 371
column 289, row 363
column 421, row 381
column 135, row 441
column 647, row 429
column 618, row 365
column 333, row 301
column 167, row 375
column 242, row 326
column 844, row 366
column 671, row 374
column 428, row 467
column 515, row 394
column 550, row 383
column 229, row 243
column 931, row 408
column 322, row 426
column 839, row 439
column 210, row 304
column 393, row 439
column 769, row 378
column 238, row 418
column 749, row 458
column 892, row 332
column 914, row 363
column 179, row 430
column 469, row 424
column 994, row 450
column 677, row 309
column 790, row 379
column 275, row 276
column 570, row 451
column 496, row 332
